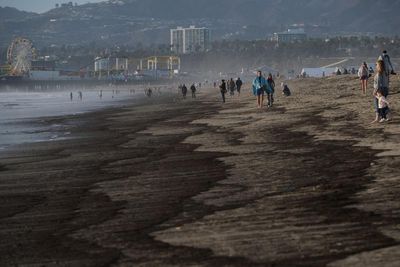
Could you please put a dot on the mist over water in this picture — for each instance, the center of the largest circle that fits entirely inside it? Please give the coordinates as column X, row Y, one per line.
column 23, row 112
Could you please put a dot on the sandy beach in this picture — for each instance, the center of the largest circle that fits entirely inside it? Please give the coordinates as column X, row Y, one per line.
column 167, row 182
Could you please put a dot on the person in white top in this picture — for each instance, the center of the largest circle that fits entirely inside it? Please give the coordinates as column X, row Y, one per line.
column 383, row 105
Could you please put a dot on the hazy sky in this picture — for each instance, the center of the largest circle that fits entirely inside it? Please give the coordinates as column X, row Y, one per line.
column 40, row 6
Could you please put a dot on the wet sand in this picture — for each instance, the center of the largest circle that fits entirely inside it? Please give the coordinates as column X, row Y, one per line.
column 309, row 182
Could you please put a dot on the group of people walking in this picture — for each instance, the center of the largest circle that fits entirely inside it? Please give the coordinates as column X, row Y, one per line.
column 232, row 86
column 184, row 90
column 384, row 68
column 261, row 86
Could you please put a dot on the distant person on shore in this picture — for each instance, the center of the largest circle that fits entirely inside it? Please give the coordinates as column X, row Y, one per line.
column 363, row 74
column 71, row 96
column 231, row 86
column 270, row 90
column 80, row 95
column 184, row 91
column 149, row 92
column 259, row 87
column 101, row 94
column 239, row 84
column 223, row 90
column 285, row 89
column 381, row 83
column 193, row 89
column 383, row 105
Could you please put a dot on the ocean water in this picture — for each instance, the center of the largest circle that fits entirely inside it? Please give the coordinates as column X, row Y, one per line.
column 22, row 112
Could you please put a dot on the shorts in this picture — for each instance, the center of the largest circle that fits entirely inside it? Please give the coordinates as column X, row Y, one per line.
column 259, row 92
column 364, row 77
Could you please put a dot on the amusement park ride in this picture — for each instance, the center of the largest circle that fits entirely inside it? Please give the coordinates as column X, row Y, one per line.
column 22, row 64
column 20, row 54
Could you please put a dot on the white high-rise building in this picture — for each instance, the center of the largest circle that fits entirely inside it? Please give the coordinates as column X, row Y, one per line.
column 190, row 40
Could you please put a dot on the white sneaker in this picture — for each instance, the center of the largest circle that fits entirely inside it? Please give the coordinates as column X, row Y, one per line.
column 382, row 120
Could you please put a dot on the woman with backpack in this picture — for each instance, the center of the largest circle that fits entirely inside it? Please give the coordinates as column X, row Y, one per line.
column 363, row 74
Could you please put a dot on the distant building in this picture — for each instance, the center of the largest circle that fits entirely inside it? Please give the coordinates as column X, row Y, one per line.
column 101, row 64
column 289, row 36
column 111, row 64
column 69, row 4
column 160, row 66
column 190, row 40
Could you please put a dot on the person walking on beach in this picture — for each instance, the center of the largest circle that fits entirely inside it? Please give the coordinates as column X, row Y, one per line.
column 259, row 86
column 71, row 96
column 381, row 83
column 223, row 90
column 270, row 89
column 80, row 95
column 184, row 91
column 363, row 74
column 193, row 89
column 383, row 105
column 239, row 84
column 149, row 92
column 231, row 86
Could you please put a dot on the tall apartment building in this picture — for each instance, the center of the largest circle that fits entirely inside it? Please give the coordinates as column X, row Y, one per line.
column 190, row 40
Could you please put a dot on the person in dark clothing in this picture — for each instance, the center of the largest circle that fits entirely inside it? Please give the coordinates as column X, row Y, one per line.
column 388, row 63
column 231, row 85
column 239, row 84
column 193, row 89
column 285, row 90
column 223, row 90
column 184, row 91
column 270, row 90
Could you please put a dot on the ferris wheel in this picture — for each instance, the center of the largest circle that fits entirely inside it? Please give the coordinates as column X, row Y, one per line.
column 20, row 55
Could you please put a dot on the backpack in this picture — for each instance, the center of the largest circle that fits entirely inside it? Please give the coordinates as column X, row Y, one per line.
column 363, row 72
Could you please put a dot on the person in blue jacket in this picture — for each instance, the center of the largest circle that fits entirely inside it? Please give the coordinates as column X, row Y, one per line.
column 259, row 87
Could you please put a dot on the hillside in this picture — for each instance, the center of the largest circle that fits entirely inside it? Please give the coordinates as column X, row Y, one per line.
column 148, row 21
column 13, row 14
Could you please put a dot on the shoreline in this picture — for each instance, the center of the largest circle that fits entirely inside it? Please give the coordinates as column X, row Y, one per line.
column 307, row 183
column 30, row 123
